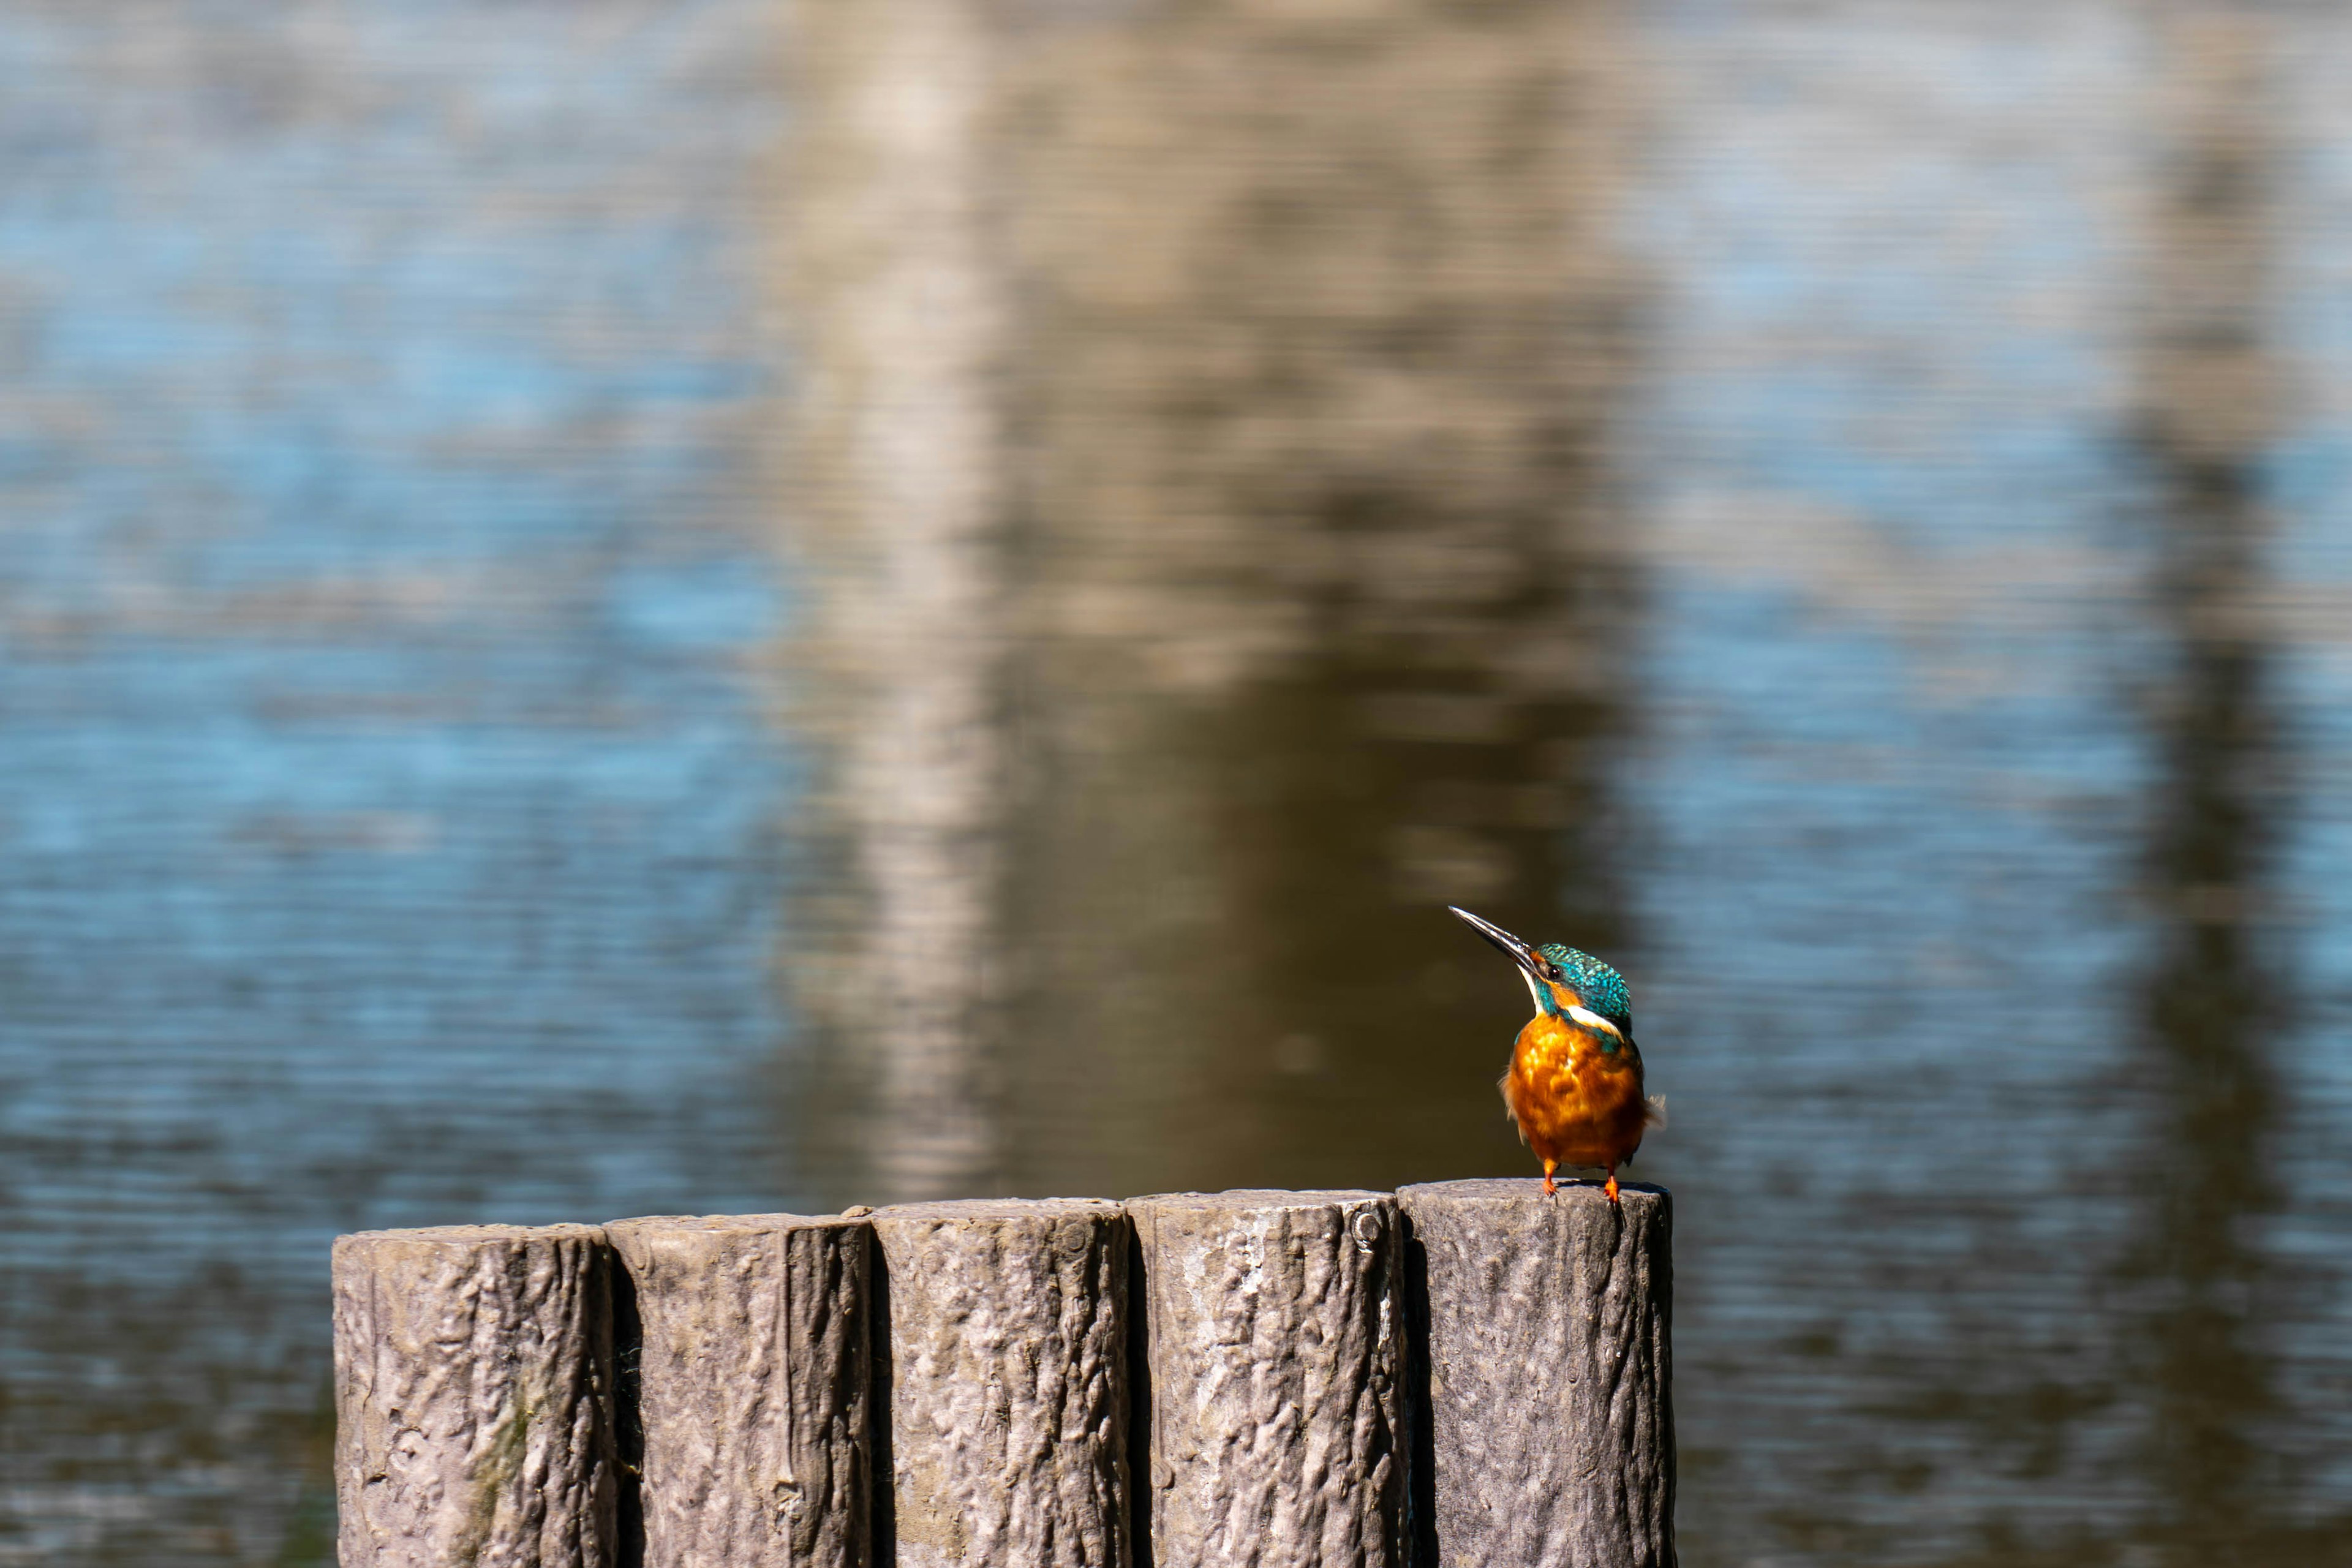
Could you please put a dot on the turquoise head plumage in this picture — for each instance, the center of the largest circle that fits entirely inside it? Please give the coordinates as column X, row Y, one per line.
column 1564, row 982
column 1598, row 986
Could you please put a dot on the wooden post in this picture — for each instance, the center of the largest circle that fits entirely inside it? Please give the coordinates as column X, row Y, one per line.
column 1008, row 1384
column 1548, row 1324
column 1277, row 1358
column 474, row 1397
column 752, row 1399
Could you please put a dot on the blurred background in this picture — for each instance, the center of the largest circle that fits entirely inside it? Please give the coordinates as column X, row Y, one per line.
column 720, row 605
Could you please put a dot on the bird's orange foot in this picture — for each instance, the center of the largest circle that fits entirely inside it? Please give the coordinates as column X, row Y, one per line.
column 1549, row 1189
column 1611, row 1188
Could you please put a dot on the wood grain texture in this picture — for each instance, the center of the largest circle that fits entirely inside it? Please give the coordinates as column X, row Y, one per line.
column 474, row 1398
column 752, row 1389
column 1007, row 1373
column 1548, row 1323
column 1276, row 1325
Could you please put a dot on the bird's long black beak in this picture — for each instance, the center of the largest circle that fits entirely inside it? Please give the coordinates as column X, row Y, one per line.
column 1519, row 952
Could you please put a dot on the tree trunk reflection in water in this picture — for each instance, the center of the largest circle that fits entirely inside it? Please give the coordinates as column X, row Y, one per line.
column 2196, row 1279
column 1293, row 620
column 898, row 514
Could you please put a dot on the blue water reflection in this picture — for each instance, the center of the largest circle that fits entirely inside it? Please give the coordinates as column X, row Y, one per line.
column 388, row 818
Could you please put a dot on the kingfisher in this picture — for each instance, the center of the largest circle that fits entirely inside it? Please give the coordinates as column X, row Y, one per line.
column 1574, row 1085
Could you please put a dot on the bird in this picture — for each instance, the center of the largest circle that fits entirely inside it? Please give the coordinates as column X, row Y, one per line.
column 1574, row 1085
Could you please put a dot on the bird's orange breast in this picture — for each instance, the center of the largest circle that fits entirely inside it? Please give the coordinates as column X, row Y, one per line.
column 1574, row 1101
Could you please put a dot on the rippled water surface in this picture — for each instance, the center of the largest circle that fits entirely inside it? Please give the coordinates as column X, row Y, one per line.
column 619, row 608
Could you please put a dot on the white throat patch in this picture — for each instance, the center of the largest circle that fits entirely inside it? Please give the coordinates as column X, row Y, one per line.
column 1593, row 1020
column 1584, row 1016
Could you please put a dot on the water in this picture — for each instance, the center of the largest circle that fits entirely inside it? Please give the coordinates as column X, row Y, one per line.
column 627, row 608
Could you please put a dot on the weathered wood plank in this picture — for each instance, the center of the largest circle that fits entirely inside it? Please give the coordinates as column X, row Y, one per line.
column 1548, row 1324
column 1008, row 1384
column 753, row 1390
column 1276, row 1325
column 474, row 1397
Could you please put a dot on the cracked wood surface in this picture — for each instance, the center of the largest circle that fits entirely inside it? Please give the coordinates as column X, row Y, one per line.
column 752, row 1388
column 1275, row 1324
column 1007, row 1366
column 1548, row 1374
column 474, row 1398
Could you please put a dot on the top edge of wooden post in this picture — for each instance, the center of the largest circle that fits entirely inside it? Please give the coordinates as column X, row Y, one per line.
column 1261, row 1198
column 1525, row 1189
column 735, row 1224
column 472, row 1235
column 998, row 1208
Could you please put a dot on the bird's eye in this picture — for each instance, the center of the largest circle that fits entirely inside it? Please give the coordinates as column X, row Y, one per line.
column 1551, row 972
